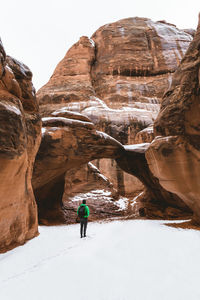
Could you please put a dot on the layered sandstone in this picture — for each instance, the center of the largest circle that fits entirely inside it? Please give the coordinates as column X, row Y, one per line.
column 117, row 78
column 68, row 142
column 127, row 64
column 154, row 201
column 20, row 138
column 174, row 155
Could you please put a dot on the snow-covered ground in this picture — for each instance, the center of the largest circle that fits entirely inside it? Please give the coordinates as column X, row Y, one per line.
column 119, row 260
column 102, row 195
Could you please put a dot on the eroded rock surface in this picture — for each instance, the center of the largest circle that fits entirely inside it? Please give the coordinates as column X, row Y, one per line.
column 154, row 201
column 67, row 144
column 174, row 155
column 117, row 78
column 87, row 182
column 20, row 135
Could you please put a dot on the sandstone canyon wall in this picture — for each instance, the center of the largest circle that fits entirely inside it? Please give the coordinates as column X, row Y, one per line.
column 112, row 83
column 20, row 135
column 174, row 155
column 117, row 78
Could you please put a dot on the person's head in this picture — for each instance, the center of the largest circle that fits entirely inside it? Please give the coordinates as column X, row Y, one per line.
column 84, row 201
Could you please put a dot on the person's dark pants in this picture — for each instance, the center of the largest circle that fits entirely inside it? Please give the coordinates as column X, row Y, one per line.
column 83, row 223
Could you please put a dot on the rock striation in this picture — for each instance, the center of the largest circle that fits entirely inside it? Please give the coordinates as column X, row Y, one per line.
column 61, row 178
column 117, row 78
column 20, row 135
column 154, row 201
column 173, row 156
column 106, row 92
column 68, row 142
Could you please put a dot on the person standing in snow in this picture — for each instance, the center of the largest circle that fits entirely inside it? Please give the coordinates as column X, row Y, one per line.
column 83, row 213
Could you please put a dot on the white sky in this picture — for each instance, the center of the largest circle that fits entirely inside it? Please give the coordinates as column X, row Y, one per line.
column 39, row 32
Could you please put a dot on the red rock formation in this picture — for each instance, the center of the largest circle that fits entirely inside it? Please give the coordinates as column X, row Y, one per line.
column 88, row 183
column 71, row 79
column 117, row 79
column 174, row 155
column 154, row 201
column 127, row 64
column 67, row 144
column 20, row 138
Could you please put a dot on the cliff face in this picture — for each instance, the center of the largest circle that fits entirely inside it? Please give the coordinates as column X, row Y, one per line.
column 128, row 65
column 20, row 139
column 134, row 59
column 117, row 78
column 174, row 155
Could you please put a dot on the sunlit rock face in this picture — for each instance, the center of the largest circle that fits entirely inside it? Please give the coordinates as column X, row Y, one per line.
column 174, row 155
column 117, row 78
column 68, row 143
column 20, row 135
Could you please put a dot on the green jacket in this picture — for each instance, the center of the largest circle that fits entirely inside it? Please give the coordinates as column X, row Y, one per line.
column 87, row 211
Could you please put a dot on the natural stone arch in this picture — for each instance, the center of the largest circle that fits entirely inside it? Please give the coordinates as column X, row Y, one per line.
column 70, row 143
column 66, row 144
